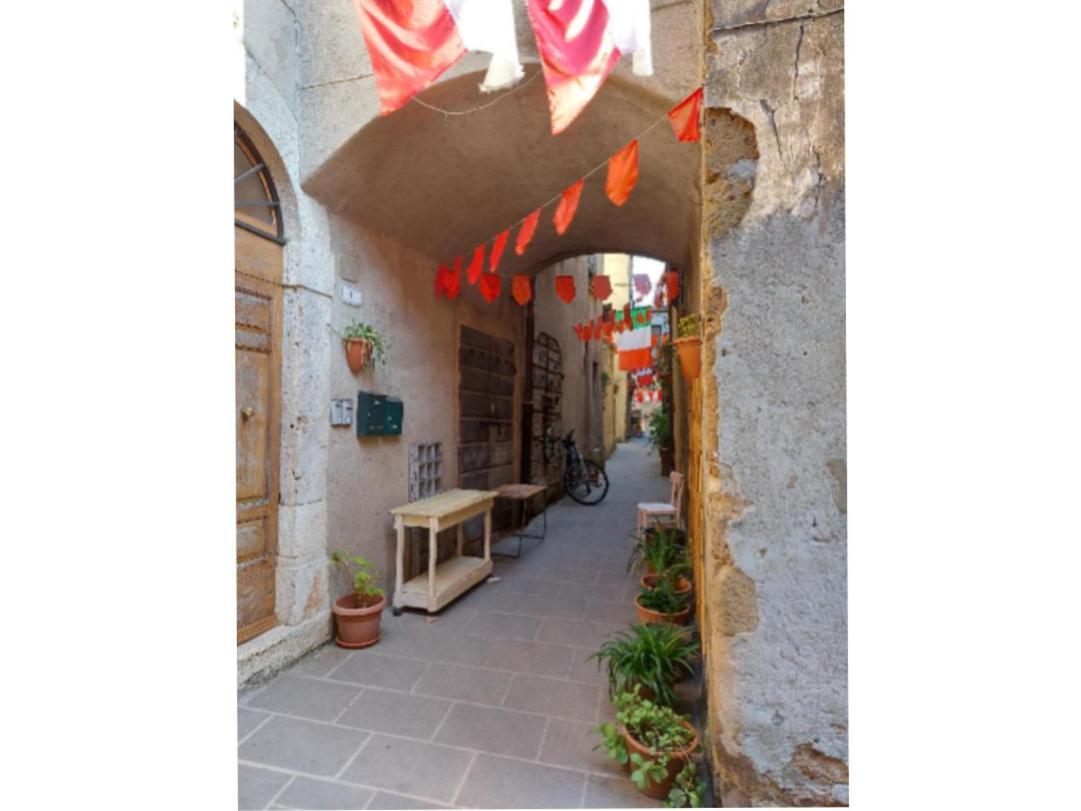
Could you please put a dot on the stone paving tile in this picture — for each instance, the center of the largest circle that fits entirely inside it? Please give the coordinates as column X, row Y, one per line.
column 492, row 597
column 409, row 767
column 308, row 698
column 617, row 579
column 385, row 800
column 571, row 744
column 560, row 699
column 317, row 795
column 303, row 746
column 321, row 661
column 258, row 786
column 396, row 713
column 490, row 729
column 496, row 782
column 578, row 633
column 247, row 720
column 615, row 612
column 568, row 607
column 539, row 588
column 377, row 670
column 464, row 683
column 590, row 591
column 616, row 792
column 584, row 669
column 530, row 657
column 570, row 575
column 514, row 626
column 442, row 645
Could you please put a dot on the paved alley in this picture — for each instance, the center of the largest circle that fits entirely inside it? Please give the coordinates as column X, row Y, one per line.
column 492, row 705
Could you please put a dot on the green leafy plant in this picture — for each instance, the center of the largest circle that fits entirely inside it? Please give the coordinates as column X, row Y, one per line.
column 359, row 331
column 662, row 598
column 651, row 656
column 664, row 362
column 689, row 790
column 688, row 327
column 660, row 428
column 363, row 575
column 658, row 729
column 646, row 770
column 613, row 743
column 661, row 551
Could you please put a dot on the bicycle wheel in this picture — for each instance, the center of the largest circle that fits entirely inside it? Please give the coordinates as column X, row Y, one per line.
column 587, row 484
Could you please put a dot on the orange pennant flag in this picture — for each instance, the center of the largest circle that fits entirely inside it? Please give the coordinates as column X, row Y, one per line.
column 476, row 265
column 565, row 288
column 684, row 117
column 497, row 250
column 622, row 173
column 449, row 282
column 600, row 287
column 568, row 204
column 526, row 232
column 521, row 289
column 489, row 286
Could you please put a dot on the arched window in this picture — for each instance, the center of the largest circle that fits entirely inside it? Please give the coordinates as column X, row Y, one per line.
column 255, row 201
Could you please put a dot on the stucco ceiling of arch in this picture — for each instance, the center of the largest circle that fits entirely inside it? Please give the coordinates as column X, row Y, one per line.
column 445, row 184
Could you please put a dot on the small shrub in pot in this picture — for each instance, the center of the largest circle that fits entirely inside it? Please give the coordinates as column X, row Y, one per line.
column 652, row 657
column 358, row 613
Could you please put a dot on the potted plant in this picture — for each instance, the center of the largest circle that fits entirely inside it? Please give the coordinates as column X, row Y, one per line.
column 689, row 791
column 651, row 657
column 363, row 342
column 689, row 345
column 658, row 550
column 660, row 437
column 357, row 613
column 661, row 603
column 655, row 742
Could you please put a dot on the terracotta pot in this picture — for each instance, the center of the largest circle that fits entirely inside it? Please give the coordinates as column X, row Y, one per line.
column 690, row 356
column 358, row 353
column 683, row 585
column 646, row 615
column 677, row 760
column 357, row 627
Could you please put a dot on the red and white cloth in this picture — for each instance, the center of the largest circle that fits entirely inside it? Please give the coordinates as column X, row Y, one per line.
column 634, row 349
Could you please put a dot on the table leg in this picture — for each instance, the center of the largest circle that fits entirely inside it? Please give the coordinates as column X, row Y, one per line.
column 488, row 534
column 433, row 554
column 398, row 573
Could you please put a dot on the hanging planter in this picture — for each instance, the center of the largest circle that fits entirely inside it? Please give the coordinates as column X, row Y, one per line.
column 689, row 346
column 363, row 344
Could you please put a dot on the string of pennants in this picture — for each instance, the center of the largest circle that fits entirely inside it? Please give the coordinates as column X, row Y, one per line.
column 621, row 179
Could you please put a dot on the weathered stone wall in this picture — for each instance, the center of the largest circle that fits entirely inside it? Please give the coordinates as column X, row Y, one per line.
column 774, row 406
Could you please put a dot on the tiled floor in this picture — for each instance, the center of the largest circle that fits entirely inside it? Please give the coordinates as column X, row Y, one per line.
column 492, row 705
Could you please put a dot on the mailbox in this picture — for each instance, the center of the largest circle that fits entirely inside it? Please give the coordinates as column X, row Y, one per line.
column 378, row 415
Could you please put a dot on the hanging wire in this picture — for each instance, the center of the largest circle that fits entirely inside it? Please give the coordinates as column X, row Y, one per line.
column 447, row 113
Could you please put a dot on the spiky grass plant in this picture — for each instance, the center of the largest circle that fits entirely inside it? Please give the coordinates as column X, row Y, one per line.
column 652, row 656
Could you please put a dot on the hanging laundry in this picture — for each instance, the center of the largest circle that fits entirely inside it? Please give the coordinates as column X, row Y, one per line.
column 642, row 284
column 489, row 286
column 476, row 265
column 565, row 288
column 633, row 350
column 622, row 173
column 600, row 287
column 522, row 289
column 525, row 233
column 630, row 26
column 497, row 250
column 658, row 298
column 645, row 380
column 488, row 25
column 684, row 117
column 671, row 281
column 568, row 205
column 577, row 53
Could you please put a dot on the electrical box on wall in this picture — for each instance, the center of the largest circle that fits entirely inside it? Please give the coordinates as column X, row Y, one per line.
column 341, row 412
column 378, row 415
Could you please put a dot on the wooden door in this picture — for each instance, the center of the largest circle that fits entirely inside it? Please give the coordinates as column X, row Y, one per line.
column 258, row 361
column 547, row 430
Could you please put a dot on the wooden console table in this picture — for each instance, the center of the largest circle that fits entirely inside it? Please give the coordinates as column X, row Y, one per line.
column 451, row 578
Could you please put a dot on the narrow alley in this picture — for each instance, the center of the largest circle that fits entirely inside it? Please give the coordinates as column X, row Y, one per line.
column 491, row 705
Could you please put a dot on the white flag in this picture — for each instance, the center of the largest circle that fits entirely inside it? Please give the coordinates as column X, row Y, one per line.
column 488, row 25
column 628, row 21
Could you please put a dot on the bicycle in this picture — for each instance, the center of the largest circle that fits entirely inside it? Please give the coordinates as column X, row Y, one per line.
column 583, row 479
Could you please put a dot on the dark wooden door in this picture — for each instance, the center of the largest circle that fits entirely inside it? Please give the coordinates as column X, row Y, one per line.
column 547, row 428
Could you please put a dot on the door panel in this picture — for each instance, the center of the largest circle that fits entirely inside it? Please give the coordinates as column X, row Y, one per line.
column 258, row 360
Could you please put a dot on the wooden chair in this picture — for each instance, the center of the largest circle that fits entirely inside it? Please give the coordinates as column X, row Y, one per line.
column 658, row 513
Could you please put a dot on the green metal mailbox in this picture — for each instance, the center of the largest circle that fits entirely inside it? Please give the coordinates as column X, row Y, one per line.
column 378, row 415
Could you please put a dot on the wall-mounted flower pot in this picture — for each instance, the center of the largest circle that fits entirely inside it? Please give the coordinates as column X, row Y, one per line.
column 690, row 356
column 676, row 761
column 646, row 615
column 358, row 627
column 683, row 585
column 358, row 353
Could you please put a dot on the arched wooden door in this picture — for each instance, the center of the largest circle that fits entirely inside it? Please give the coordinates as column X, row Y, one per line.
column 258, row 272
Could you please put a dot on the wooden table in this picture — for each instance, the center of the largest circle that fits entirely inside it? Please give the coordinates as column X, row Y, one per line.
column 451, row 578
column 524, row 493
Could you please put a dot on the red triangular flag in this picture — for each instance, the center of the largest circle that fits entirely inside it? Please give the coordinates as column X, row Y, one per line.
column 577, row 53
column 622, row 173
column 568, row 204
column 684, row 117
column 529, row 225
column 497, row 250
column 521, row 289
column 476, row 265
column 565, row 288
column 600, row 287
column 671, row 281
column 489, row 286
column 449, row 282
column 409, row 45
